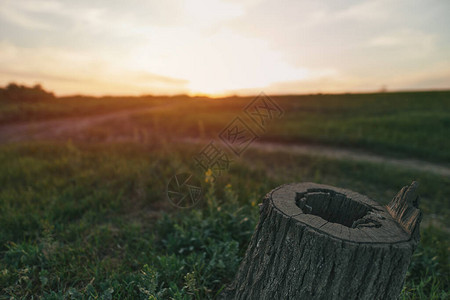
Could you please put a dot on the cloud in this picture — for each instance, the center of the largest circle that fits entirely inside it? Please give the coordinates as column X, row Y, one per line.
column 19, row 17
column 369, row 40
column 223, row 45
column 430, row 77
column 73, row 72
column 368, row 11
column 206, row 61
column 405, row 38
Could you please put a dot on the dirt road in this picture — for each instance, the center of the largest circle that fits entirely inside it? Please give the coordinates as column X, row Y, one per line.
column 51, row 129
column 54, row 129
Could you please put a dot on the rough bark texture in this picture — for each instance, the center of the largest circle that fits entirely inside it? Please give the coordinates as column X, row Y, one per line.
column 320, row 242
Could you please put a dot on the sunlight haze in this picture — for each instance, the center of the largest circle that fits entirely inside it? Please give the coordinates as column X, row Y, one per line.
column 220, row 47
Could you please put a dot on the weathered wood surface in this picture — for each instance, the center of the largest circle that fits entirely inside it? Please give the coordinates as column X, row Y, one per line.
column 320, row 242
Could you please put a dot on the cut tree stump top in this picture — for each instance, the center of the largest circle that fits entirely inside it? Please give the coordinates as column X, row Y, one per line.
column 341, row 214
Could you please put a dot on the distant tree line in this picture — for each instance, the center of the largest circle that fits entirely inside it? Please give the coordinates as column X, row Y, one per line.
column 16, row 92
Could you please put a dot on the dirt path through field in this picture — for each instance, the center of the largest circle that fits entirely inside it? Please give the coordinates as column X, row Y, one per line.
column 45, row 130
column 342, row 153
column 26, row 131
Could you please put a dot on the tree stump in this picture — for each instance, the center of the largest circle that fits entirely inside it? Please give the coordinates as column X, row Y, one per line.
column 321, row 242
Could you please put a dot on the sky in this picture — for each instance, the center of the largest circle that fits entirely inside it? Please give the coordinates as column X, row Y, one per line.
column 224, row 47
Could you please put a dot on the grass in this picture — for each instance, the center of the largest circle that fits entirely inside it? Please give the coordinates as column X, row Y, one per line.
column 394, row 124
column 409, row 124
column 91, row 220
column 75, row 106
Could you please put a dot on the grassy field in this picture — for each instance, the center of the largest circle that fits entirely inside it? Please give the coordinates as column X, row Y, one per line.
column 408, row 125
column 89, row 218
column 23, row 104
column 92, row 220
column 17, row 111
column 394, row 124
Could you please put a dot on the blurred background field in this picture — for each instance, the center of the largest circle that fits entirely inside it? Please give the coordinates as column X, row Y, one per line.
column 405, row 125
column 83, row 197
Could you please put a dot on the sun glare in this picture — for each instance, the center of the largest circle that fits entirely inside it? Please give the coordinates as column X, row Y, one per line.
column 217, row 47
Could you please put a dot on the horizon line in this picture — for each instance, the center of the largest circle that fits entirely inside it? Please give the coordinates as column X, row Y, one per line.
column 236, row 95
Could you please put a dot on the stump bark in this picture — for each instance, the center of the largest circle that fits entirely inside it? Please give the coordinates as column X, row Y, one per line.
column 320, row 242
